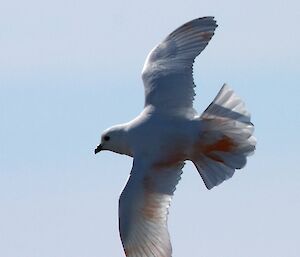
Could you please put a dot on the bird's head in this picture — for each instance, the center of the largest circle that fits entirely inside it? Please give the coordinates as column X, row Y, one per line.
column 114, row 139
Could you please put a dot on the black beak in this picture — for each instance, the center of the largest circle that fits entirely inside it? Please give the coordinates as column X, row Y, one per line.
column 98, row 149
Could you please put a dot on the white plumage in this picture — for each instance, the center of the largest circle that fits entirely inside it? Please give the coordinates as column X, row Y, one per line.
column 169, row 132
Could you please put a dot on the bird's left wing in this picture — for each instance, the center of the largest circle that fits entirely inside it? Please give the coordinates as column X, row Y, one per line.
column 168, row 69
column 143, row 209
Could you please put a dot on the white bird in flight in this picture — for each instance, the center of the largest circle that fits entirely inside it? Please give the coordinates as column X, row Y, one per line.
column 169, row 132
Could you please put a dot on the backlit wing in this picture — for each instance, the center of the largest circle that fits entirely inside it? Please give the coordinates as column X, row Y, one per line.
column 143, row 210
column 168, row 69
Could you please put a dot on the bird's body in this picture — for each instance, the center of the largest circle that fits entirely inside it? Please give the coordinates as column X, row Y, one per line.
column 160, row 139
column 169, row 132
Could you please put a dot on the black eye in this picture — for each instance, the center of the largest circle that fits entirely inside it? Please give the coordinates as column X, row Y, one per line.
column 106, row 138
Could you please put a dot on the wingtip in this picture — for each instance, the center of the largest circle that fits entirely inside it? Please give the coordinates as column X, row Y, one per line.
column 209, row 18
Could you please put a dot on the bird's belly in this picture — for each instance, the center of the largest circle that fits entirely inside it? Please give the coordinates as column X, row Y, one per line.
column 171, row 157
column 167, row 144
column 170, row 161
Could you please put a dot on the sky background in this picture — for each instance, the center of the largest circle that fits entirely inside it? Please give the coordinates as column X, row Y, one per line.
column 70, row 69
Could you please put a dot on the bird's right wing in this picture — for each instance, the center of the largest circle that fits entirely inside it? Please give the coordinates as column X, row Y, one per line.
column 168, row 69
column 143, row 210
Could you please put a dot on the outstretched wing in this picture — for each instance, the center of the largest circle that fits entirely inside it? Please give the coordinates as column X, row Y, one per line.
column 143, row 210
column 168, row 69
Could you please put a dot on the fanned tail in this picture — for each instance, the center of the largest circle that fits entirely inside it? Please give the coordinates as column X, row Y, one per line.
column 226, row 139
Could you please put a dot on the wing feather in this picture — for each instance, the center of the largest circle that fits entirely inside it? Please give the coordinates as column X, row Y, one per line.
column 143, row 210
column 168, row 69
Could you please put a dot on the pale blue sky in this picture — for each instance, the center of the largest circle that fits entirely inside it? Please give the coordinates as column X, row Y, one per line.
column 69, row 69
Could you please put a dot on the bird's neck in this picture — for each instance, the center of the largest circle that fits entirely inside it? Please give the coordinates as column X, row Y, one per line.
column 123, row 146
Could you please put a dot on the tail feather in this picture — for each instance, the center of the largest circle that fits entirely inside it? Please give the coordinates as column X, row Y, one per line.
column 227, row 105
column 213, row 173
column 226, row 140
